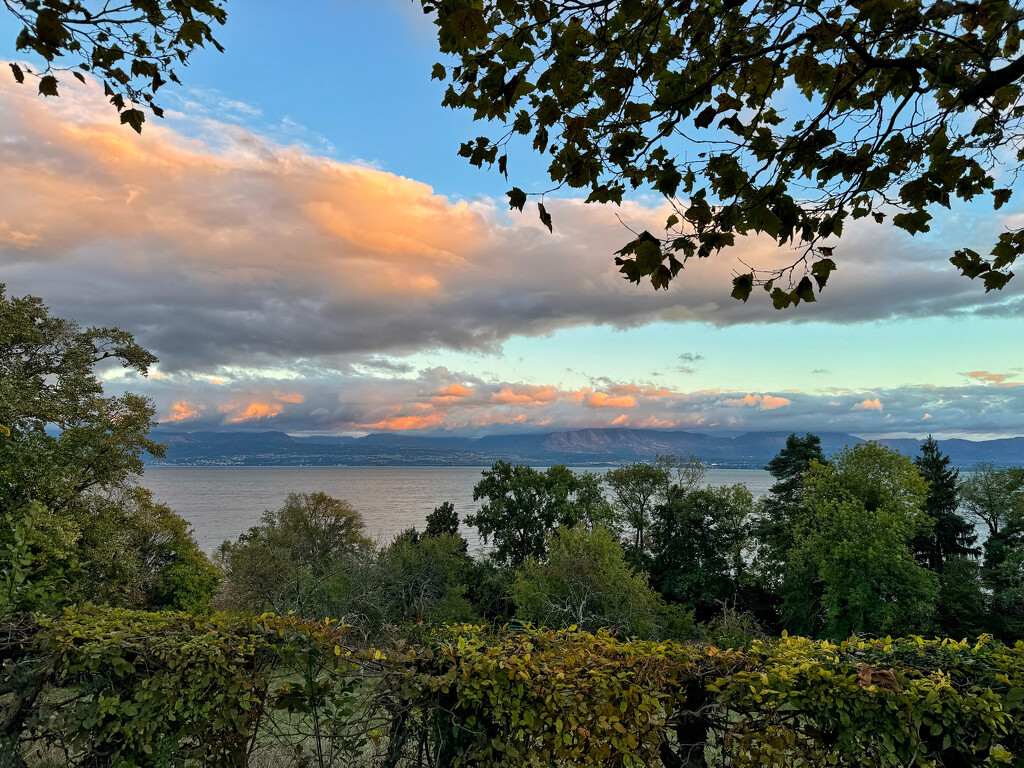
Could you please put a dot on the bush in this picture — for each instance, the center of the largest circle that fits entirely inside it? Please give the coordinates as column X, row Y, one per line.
column 119, row 688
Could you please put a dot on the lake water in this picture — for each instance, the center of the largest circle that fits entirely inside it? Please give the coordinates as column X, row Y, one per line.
column 223, row 502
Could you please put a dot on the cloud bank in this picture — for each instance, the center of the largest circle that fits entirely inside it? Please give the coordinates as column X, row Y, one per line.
column 234, row 250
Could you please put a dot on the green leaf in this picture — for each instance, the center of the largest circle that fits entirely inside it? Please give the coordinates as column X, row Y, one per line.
column 438, row 73
column 1001, row 197
column 18, row 74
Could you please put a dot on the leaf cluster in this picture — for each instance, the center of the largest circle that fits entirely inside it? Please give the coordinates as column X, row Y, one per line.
column 776, row 118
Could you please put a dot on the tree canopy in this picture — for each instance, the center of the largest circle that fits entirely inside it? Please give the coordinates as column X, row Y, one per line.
column 523, row 505
column 851, row 569
column 780, row 118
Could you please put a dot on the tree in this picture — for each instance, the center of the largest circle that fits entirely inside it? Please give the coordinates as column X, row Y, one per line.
column 779, row 508
column 951, row 535
column 992, row 496
column 786, row 119
column 635, row 491
column 585, row 582
column 524, row 505
column 424, row 578
column 69, row 455
column 136, row 553
column 300, row 557
column 443, row 520
column 995, row 497
column 697, row 543
column 133, row 46
column 851, row 568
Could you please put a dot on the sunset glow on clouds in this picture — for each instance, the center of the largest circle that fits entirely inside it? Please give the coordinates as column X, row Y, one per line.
column 285, row 290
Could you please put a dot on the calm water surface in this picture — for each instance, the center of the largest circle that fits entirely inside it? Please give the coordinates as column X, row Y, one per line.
column 223, row 502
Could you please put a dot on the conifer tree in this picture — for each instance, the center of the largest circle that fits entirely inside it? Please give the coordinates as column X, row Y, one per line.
column 952, row 536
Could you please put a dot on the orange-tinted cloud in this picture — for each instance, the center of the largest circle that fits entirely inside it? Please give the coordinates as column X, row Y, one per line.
column 620, row 420
column 525, row 394
column 998, row 379
column 764, row 402
column 402, row 423
column 604, row 400
column 926, row 416
column 182, row 411
column 873, row 404
column 253, row 411
column 289, row 397
column 453, row 394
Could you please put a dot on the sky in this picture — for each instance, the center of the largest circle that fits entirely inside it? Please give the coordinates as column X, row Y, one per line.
column 300, row 245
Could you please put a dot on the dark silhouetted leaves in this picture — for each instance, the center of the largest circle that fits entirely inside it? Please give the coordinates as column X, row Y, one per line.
column 545, row 217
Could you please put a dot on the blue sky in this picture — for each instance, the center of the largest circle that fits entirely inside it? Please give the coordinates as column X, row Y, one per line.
column 301, row 246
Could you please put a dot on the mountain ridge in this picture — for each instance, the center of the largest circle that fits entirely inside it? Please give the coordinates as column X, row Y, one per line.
column 582, row 447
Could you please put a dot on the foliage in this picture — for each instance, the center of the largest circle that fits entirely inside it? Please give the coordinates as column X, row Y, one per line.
column 697, row 542
column 132, row 47
column 851, row 569
column 779, row 508
column 423, row 579
column 47, row 380
column 779, row 118
column 136, row 553
column 443, row 520
column 110, row 687
column 951, row 535
column 994, row 496
column 635, row 490
column 585, row 582
column 73, row 526
column 523, row 505
column 301, row 557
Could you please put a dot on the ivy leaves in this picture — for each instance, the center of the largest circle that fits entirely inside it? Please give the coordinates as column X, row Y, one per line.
column 888, row 115
column 133, row 48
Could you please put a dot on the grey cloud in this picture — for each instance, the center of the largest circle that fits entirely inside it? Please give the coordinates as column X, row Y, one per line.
column 244, row 253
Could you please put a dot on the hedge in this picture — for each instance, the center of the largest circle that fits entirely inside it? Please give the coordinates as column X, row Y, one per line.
column 105, row 687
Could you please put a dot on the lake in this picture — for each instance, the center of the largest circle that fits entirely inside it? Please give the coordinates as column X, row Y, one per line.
column 223, row 502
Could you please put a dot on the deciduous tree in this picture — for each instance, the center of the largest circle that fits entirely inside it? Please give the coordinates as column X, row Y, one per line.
column 585, row 581
column 523, row 505
column 851, row 568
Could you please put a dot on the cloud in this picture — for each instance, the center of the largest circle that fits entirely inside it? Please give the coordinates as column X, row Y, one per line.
column 238, row 251
column 818, row 371
column 182, row 411
column 357, row 402
column 604, row 400
column 690, row 357
column 873, row 404
column 764, row 402
column 997, row 379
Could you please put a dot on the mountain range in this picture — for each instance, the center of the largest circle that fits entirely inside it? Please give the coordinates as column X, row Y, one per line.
column 583, row 447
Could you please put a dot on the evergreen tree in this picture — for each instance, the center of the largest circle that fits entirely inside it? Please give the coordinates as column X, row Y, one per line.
column 773, row 531
column 952, row 535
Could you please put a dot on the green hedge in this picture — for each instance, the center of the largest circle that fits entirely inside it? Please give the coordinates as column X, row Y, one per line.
column 101, row 687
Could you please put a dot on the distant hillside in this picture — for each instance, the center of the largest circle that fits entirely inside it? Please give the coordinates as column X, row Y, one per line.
column 584, row 447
